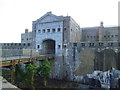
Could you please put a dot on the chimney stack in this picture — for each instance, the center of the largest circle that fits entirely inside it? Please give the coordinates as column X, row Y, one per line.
column 26, row 30
column 101, row 24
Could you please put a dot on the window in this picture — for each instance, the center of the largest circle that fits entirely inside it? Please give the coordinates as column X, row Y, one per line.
column 39, row 31
column 100, row 44
column 64, row 29
column 27, row 38
column 64, row 46
column 58, row 29
column 58, row 46
column 118, row 44
column 87, row 36
column 19, row 44
column 43, row 30
column 38, row 46
column 75, row 44
column 71, row 29
column 83, row 44
column 91, row 44
column 111, row 44
column 104, row 36
column 22, row 39
column 28, row 44
column 112, row 35
column 24, row 44
column 35, row 31
column 53, row 30
column 116, row 35
column 15, row 44
column 48, row 30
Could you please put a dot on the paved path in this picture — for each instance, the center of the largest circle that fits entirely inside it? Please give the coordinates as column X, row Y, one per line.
column 4, row 84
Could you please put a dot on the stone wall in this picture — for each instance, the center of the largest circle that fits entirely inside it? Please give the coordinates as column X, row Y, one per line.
column 51, row 35
column 79, row 61
column 13, row 49
column 27, row 37
column 86, row 66
column 57, row 68
column 95, row 33
column 105, row 60
column 30, row 52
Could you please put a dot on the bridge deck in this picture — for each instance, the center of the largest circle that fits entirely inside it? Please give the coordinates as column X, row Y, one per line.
column 7, row 61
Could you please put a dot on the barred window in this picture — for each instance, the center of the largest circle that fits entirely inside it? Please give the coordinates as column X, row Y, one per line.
column 39, row 31
column 48, row 30
column 53, row 30
column 43, row 30
column 58, row 29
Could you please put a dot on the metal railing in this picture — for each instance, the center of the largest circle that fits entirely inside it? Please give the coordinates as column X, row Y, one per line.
column 19, row 53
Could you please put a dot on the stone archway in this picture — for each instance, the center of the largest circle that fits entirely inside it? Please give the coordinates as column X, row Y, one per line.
column 48, row 46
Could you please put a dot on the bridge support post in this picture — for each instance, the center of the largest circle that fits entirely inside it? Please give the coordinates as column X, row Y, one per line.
column 12, row 72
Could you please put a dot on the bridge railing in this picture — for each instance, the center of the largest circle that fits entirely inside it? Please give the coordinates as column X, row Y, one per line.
column 25, row 53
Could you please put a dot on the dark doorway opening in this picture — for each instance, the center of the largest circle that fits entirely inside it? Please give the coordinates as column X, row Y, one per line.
column 48, row 47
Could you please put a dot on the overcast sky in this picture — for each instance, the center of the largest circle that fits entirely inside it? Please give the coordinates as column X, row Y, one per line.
column 17, row 15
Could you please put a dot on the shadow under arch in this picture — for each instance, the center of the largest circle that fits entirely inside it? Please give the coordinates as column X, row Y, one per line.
column 48, row 47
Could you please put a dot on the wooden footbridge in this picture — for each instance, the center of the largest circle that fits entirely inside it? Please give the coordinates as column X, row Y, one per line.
column 8, row 61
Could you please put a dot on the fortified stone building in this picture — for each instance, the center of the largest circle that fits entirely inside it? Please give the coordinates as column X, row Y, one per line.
column 50, row 33
column 77, row 51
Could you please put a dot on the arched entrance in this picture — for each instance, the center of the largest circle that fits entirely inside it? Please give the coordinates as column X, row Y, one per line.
column 48, row 47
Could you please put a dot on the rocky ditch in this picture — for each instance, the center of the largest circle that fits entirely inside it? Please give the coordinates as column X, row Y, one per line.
column 108, row 79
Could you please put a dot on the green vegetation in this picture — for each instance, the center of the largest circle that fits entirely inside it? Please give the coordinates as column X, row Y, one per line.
column 28, row 75
column 19, row 74
column 45, row 70
column 25, row 76
column 3, row 79
column 4, row 72
column 30, row 72
column 6, row 62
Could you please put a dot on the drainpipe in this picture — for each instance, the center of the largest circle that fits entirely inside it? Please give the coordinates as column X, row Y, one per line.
column 74, row 50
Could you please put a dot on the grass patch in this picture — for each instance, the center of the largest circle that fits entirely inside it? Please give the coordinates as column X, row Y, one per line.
column 6, row 62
